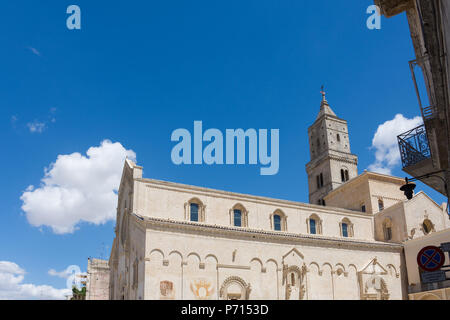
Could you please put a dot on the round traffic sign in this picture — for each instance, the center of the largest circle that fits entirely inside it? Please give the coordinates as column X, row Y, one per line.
column 430, row 258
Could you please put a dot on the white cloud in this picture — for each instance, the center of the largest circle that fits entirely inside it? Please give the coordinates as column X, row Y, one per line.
column 387, row 154
column 13, row 288
column 10, row 267
column 78, row 188
column 36, row 126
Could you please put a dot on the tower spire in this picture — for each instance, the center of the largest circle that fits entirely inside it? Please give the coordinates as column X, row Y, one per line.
column 325, row 108
column 322, row 91
column 332, row 163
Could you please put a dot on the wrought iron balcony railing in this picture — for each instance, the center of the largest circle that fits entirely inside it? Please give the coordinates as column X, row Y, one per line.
column 414, row 146
column 428, row 112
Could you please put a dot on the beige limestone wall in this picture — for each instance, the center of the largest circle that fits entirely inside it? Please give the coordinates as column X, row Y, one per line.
column 129, row 251
column 388, row 192
column 97, row 286
column 396, row 215
column 367, row 189
column 407, row 218
column 178, row 259
column 316, row 193
column 421, row 207
column 351, row 197
column 191, row 259
column 337, row 165
column 335, row 127
column 169, row 201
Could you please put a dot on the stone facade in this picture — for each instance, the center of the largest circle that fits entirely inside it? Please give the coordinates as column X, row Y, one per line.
column 367, row 192
column 159, row 254
column 395, row 219
column 175, row 241
column 97, row 285
column 332, row 163
column 412, row 219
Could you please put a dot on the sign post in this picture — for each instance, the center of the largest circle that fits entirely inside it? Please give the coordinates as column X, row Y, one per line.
column 430, row 258
column 435, row 276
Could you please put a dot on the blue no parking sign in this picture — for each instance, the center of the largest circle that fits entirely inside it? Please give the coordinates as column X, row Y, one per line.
column 430, row 258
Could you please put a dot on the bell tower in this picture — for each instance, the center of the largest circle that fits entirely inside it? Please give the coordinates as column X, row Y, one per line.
column 332, row 163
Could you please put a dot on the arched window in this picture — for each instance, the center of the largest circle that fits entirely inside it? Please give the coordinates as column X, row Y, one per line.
column 427, row 226
column 344, row 175
column 346, row 228
column 235, row 288
column 319, row 179
column 239, row 216
column 277, row 222
column 380, row 205
column 387, row 229
column 194, row 210
column 338, row 137
column 314, row 224
column 278, row 219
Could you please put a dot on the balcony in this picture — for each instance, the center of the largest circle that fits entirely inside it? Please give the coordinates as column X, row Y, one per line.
column 414, row 147
column 416, row 157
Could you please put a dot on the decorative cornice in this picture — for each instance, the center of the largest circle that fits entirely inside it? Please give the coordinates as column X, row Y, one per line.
column 346, row 158
column 326, row 116
column 229, row 266
column 253, row 234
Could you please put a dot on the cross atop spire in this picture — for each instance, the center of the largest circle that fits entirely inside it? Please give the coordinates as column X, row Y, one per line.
column 323, row 93
column 325, row 108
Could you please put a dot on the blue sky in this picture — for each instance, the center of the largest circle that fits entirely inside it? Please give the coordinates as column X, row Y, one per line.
column 137, row 70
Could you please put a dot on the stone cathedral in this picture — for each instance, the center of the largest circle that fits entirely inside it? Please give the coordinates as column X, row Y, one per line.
column 176, row 241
